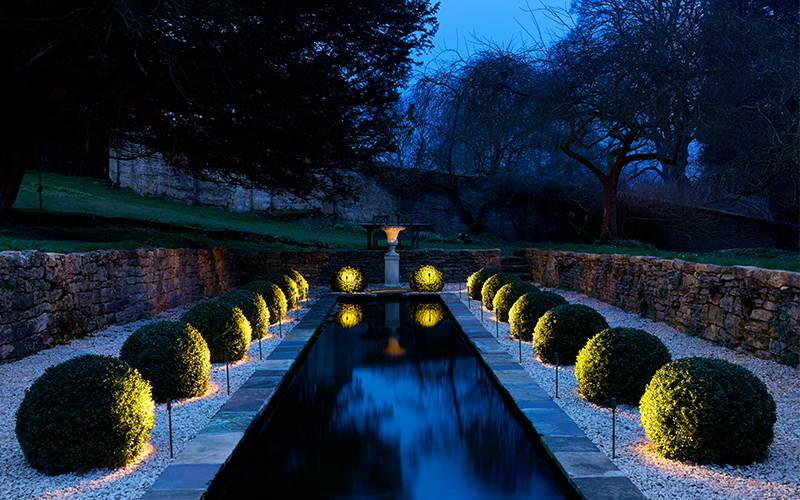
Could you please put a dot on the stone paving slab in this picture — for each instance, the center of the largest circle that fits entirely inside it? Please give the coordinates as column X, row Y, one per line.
column 230, row 421
column 282, row 355
column 248, row 399
column 185, row 477
column 209, row 448
column 261, row 382
column 510, row 375
column 173, row 495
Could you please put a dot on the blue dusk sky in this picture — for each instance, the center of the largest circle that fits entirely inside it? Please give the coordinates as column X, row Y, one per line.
column 464, row 24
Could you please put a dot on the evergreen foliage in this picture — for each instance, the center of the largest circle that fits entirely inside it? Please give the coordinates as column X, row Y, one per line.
column 224, row 328
column 426, row 278
column 172, row 356
column 708, row 410
column 253, row 307
column 88, row 412
column 618, row 363
column 527, row 310
column 565, row 330
column 273, row 296
column 477, row 279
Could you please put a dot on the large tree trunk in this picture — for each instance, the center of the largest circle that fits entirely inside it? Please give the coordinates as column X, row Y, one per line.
column 608, row 228
column 14, row 157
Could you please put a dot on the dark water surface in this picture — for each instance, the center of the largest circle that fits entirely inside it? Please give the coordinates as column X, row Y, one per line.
column 392, row 408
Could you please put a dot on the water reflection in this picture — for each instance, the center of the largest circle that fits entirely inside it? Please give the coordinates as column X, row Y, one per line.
column 356, row 423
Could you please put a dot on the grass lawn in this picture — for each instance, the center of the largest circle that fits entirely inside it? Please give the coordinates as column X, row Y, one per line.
column 176, row 225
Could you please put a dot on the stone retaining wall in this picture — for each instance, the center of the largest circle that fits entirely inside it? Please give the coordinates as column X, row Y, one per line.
column 748, row 308
column 47, row 298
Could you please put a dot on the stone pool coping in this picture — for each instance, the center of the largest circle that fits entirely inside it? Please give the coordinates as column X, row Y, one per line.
column 593, row 475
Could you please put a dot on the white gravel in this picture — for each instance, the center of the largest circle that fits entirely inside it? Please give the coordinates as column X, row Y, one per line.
column 19, row 480
column 776, row 478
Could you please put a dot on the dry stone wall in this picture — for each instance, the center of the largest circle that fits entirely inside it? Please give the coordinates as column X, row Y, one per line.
column 748, row 308
column 47, row 298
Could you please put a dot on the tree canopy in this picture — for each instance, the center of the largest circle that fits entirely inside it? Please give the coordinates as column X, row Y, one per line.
column 280, row 94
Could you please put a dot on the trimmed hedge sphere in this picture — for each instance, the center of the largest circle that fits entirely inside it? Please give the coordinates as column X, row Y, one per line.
column 348, row 279
column 426, row 279
column 477, row 279
column 492, row 285
column 302, row 284
column 708, row 410
column 254, row 308
column 527, row 310
column 90, row 411
column 172, row 356
column 565, row 330
column 508, row 294
column 273, row 296
column 618, row 363
column 224, row 328
column 288, row 287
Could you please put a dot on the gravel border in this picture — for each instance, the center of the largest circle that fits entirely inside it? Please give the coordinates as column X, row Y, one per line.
column 778, row 477
column 189, row 416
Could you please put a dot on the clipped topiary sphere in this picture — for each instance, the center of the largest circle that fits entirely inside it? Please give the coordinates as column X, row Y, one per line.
column 224, row 328
column 348, row 279
column 302, row 284
column 708, row 410
column 88, row 412
column 273, row 296
column 254, row 308
column 493, row 284
column 172, row 356
column 565, row 330
column 477, row 279
column 527, row 310
column 508, row 294
column 288, row 287
column 618, row 363
column 426, row 279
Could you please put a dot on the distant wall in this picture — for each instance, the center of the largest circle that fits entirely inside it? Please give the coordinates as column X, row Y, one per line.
column 748, row 307
column 699, row 229
column 47, row 298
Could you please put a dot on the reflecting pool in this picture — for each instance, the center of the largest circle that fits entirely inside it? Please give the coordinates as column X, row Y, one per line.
column 390, row 403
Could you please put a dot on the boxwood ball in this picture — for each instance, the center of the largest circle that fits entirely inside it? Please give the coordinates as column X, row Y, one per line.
column 88, row 412
column 708, row 410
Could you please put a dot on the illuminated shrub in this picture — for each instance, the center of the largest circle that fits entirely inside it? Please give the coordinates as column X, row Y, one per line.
column 565, row 330
column 618, row 363
column 172, row 356
column 253, row 307
column 224, row 328
column 302, row 284
column 350, row 315
column 426, row 279
column 493, row 284
column 477, row 279
column 527, row 310
column 289, row 288
column 90, row 411
column 708, row 410
column 348, row 279
column 427, row 315
column 273, row 296
column 508, row 294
